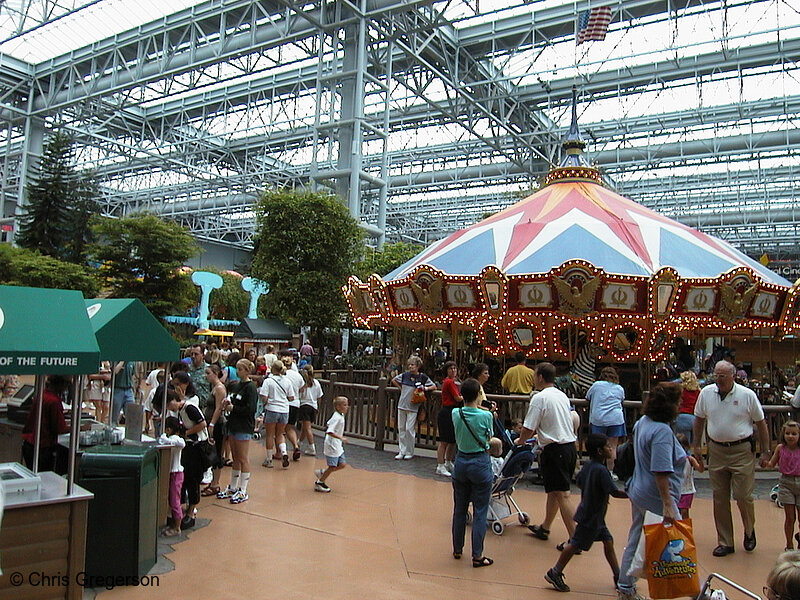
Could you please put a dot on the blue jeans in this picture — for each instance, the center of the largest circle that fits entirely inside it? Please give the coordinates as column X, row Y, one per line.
column 472, row 482
column 122, row 396
column 684, row 423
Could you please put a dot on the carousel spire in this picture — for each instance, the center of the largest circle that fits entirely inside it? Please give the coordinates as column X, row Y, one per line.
column 574, row 164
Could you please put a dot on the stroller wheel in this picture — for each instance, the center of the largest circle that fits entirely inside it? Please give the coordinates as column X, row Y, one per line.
column 498, row 527
column 524, row 518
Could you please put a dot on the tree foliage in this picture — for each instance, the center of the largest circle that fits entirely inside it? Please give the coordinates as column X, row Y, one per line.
column 19, row 266
column 140, row 257
column 308, row 247
column 61, row 201
column 386, row 260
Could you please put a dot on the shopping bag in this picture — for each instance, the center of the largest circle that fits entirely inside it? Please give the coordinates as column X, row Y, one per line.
column 637, row 563
column 671, row 560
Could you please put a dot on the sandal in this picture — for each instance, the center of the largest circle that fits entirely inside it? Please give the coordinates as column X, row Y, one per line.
column 211, row 490
column 539, row 532
column 457, row 555
column 483, row 561
column 169, row 532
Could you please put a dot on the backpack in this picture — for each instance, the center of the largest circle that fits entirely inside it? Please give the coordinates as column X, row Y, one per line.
column 626, row 459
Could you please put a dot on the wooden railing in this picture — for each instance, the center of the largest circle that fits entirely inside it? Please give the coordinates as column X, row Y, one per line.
column 373, row 412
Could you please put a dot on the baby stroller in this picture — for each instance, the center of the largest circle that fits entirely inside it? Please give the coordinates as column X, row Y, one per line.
column 502, row 505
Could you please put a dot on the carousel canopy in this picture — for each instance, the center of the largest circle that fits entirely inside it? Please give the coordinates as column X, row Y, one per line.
column 573, row 219
column 577, row 265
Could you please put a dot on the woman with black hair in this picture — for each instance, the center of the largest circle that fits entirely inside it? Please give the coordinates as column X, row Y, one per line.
column 196, row 432
column 657, row 476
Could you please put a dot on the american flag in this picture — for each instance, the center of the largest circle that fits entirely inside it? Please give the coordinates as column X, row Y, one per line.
column 593, row 24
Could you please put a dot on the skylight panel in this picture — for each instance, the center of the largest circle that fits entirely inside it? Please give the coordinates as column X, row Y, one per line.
column 95, row 22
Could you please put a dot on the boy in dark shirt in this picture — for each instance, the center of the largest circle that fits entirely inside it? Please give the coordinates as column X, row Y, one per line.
column 596, row 486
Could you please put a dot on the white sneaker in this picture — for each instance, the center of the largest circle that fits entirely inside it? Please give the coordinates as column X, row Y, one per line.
column 448, row 464
column 310, row 451
column 228, row 492
column 207, row 476
column 320, row 486
column 408, row 457
column 319, row 473
column 239, row 497
column 267, row 462
column 634, row 595
column 398, row 456
column 442, row 470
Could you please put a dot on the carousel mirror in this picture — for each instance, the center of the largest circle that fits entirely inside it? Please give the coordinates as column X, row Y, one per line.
column 492, row 289
column 522, row 336
column 624, row 341
column 491, row 336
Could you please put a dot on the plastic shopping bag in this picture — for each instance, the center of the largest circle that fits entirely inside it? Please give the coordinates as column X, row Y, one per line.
column 637, row 563
column 671, row 560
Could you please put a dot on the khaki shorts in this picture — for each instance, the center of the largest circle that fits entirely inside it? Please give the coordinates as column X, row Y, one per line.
column 789, row 489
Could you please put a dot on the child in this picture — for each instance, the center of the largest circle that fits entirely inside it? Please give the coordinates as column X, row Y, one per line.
column 596, row 485
column 334, row 438
column 310, row 394
column 687, row 486
column 496, row 455
column 787, row 457
column 515, row 429
column 172, row 437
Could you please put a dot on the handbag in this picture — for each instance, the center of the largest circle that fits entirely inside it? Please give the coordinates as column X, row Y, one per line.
column 208, row 454
column 418, row 396
column 625, row 462
column 671, row 560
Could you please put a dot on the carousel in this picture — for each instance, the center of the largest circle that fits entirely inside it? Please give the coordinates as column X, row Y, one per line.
column 576, row 266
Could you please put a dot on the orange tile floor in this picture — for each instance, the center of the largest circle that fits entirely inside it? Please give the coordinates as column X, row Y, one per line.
column 382, row 535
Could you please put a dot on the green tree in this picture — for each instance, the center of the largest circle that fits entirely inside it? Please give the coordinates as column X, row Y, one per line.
column 60, row 203
column 309, row 245
column 386, row 260
column 230, row 301
column 140, row 257
column 19, row 266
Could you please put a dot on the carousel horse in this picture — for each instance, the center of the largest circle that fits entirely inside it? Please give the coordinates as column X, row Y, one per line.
column 583, row 369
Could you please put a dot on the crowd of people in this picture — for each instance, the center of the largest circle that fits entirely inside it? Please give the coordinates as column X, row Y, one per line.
column 209, row 406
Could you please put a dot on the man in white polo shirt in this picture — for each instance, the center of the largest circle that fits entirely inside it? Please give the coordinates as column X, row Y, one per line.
column 549, row 416
column 730, row 410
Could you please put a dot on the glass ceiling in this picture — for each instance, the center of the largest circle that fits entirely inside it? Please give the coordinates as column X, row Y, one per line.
column 53, row 28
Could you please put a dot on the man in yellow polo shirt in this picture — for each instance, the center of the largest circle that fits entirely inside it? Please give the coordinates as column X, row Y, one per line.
column 519, row 378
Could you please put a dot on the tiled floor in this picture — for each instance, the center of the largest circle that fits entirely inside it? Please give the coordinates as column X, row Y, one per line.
column 386, row 535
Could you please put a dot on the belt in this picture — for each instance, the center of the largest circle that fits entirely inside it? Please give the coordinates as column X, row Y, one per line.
column 736, row 443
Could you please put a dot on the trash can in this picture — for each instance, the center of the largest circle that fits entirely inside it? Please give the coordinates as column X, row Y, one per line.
column 122, row 526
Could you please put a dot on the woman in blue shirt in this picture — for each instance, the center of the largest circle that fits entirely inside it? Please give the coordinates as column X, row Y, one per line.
column 605, row 409
column 472, row 472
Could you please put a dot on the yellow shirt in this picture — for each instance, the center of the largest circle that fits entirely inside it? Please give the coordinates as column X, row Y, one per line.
column 518, row 380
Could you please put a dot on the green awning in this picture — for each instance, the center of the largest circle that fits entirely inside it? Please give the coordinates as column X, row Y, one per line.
column 126, row 330
column 45, row 331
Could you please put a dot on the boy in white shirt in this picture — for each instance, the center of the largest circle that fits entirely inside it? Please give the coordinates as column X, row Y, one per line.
column 334, row 440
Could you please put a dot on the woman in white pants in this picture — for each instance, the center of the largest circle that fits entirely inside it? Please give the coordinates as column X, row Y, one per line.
column 407, row 410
